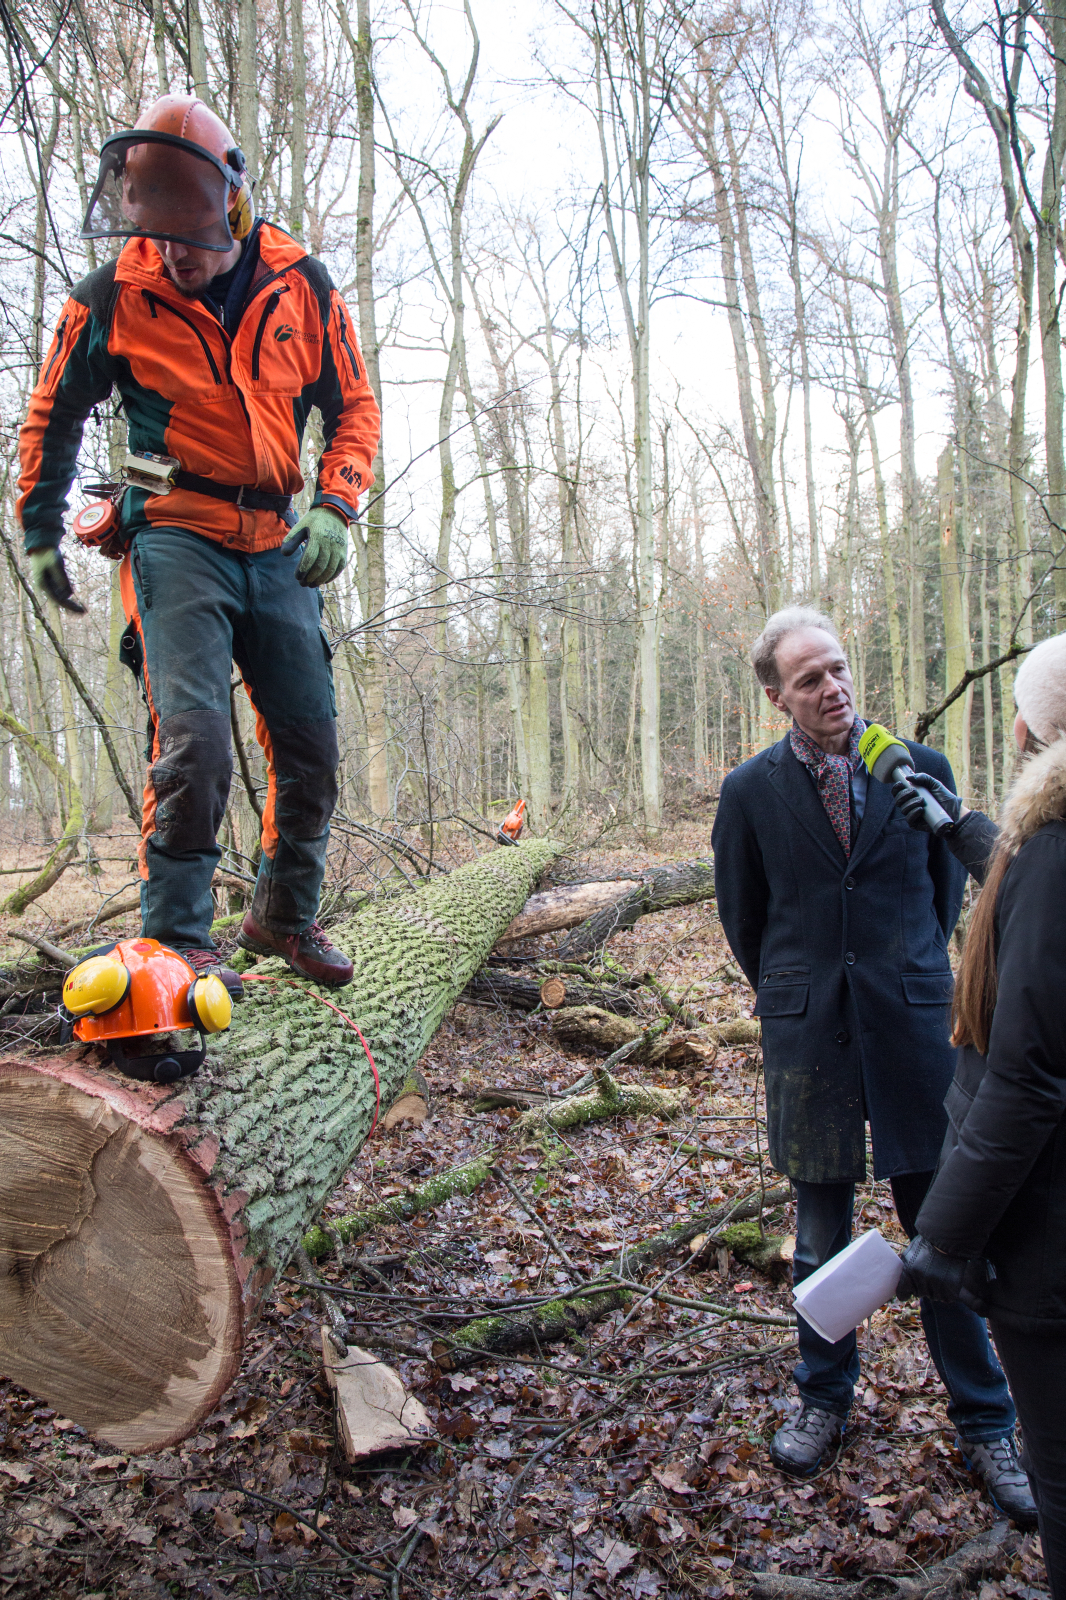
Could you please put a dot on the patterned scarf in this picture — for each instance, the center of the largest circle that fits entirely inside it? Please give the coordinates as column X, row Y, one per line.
column 832, row 776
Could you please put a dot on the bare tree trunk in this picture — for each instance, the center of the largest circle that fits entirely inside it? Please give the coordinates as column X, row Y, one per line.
column 1048, row 245
column 629, row 82
column 248, row 83
column 373, row 600
column 298, row 152
column 955, row 651
column 198, row 55
column 700, row 107
column 888, row 565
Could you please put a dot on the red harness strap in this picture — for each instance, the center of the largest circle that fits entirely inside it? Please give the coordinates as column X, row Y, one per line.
column 250, row 977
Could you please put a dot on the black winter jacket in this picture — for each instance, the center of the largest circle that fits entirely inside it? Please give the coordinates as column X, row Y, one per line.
column 1001, row 1187
column 849, row 957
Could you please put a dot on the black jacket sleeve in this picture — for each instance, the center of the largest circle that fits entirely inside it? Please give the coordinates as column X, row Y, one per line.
column 948, row 881
column 972, row 842
column 740, row 884
column 1022, row 1095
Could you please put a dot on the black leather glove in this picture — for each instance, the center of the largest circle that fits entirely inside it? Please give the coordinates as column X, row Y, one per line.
column 932, row 1274
column 910, row 803
column 50, row 574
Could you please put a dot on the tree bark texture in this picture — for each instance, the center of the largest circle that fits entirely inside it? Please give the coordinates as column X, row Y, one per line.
column 661, row 889
column 141, row 1225
column 491, row 986
column 955, row 630
column 566, row 907
column 608, row 1099
column 592, row 1028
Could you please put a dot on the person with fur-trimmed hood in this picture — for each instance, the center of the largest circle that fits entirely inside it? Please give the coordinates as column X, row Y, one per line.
column 992, row 1228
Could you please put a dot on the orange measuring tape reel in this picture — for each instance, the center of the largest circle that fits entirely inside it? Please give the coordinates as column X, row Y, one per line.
column 137, row 988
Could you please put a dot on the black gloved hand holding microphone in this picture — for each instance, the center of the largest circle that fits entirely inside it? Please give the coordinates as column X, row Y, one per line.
column 928, row 805
column 908, row 795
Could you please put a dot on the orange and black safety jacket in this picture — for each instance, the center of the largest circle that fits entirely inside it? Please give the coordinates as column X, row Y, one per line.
column 230, row 409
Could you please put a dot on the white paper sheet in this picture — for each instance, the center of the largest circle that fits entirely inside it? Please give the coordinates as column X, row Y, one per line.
column 847, row 1288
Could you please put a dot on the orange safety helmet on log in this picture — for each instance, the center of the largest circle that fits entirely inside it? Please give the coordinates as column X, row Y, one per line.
column 137, row 988
column 178, row 175
column 511, row 826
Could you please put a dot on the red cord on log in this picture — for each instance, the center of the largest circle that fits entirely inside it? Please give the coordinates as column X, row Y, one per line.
column 264, row 978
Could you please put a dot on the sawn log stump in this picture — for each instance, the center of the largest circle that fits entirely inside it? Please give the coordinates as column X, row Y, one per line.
column 141, row 1226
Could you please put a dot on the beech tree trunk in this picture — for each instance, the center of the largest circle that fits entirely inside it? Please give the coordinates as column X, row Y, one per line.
column 141, row 1225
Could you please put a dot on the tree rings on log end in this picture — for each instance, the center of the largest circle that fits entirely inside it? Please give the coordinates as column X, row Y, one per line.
column 552, row 993
column 119, row 1297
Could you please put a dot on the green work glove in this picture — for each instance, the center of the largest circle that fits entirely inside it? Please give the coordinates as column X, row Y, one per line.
column 326, row 533
column 50, row 574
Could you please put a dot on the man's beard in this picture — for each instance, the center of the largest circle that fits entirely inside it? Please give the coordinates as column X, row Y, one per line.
column 186, row 292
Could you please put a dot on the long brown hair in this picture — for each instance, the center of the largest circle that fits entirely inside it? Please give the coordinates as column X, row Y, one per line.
column 978, row 983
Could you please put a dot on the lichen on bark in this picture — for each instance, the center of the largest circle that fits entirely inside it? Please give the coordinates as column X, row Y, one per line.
column 288, row 1093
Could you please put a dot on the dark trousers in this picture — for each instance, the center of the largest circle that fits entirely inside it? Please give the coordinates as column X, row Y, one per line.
column 199, row 607
column 979, row 1401
column 1036, row 1367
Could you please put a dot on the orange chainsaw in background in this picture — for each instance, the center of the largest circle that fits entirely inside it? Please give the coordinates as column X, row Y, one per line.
column 511, row 826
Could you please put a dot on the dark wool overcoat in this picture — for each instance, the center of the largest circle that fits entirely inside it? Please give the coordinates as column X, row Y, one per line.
column 849, row 960
column 1001, row 1189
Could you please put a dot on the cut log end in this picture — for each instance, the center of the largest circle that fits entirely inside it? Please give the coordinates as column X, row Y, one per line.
column 119, row 1298
column 553, row 993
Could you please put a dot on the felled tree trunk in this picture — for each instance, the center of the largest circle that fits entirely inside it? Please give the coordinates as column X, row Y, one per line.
column 591, row 1027
column 678, row 885
column 493, row 986
column 140, row 1226
column 566, row 906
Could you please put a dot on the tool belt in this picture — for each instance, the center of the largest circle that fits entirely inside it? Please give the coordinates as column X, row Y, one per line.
column 235, row 495
column 99, row 524
column 161, row 474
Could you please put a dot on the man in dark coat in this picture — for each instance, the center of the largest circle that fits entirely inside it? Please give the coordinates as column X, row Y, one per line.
column 839, row 915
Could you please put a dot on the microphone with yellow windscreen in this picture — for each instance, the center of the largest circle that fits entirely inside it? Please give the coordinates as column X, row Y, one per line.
column 889, row 761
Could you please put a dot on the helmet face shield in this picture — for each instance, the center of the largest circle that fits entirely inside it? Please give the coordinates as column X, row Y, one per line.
column 158, row 186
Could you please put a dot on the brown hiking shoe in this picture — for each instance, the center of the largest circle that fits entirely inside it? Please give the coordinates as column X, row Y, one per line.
column 204, row 962
column 309, row 953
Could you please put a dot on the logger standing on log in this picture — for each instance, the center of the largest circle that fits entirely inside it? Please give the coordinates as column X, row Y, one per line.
column 839, row 915
column 220, row 334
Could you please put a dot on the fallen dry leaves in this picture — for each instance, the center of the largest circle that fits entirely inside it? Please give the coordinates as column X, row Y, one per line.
column 631, row 1463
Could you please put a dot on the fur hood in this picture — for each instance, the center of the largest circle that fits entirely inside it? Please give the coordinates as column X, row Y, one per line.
column 1037, row 796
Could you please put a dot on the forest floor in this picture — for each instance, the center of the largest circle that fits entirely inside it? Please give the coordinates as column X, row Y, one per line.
column 632, row 1461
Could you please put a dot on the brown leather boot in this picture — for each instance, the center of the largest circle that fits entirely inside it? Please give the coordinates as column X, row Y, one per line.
column 309, row 953
column 204, row 962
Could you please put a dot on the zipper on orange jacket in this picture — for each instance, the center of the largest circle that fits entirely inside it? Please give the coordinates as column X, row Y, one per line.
column 60, row 333
column 157, row 300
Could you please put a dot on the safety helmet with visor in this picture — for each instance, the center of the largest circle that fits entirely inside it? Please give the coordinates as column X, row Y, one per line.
column 178, row 176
